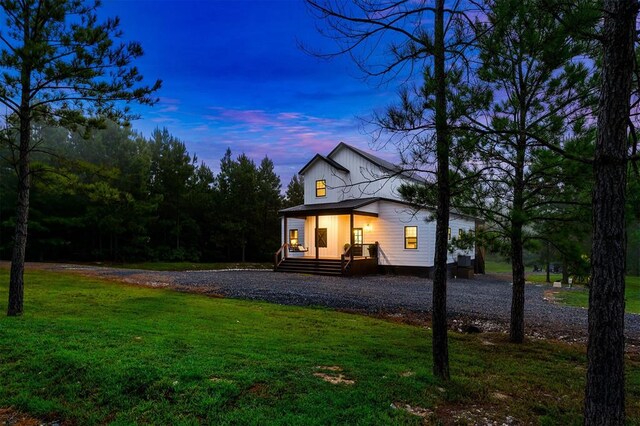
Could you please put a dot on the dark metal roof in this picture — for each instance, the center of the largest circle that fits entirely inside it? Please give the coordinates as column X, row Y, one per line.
column 384, row 164
column 341, row 207
column 351, row 205
column 330, row 161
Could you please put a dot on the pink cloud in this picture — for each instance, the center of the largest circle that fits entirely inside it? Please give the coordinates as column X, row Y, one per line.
column 288, row 138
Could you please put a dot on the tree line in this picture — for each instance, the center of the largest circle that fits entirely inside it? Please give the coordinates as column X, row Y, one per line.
column 118, row 196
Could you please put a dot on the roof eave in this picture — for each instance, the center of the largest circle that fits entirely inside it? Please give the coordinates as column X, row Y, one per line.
column 329, row 161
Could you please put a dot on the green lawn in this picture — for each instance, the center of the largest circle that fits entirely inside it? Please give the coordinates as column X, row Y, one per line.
column 189, row 266
column 580, row 296
column 94, row 352
column 497, row 266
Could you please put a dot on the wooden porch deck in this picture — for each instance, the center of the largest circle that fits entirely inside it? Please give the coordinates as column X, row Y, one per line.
column 346, row 264
column 315, row 266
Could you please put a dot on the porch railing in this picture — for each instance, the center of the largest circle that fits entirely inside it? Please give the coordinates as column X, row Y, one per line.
column 345, row 260
column 280, row 256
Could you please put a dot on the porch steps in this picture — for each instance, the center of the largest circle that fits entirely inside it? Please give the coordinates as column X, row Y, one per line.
column 311, row 266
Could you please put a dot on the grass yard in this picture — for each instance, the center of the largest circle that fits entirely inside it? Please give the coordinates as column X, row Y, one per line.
column 579, row 295
column 189, row 266
column 93, row 352
column 497, row 266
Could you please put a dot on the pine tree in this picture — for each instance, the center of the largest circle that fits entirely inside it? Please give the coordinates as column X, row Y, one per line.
column 295, row 192
column 59, row 65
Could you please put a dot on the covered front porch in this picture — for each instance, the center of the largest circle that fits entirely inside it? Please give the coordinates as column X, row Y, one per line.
column 343, row 231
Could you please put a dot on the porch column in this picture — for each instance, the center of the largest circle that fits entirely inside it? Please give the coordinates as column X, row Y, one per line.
column 285, row 236
column 284, row 230
column 316, row 236
column 351, row 236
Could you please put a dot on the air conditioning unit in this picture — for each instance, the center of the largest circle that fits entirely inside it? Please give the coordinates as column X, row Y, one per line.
column 464, row 261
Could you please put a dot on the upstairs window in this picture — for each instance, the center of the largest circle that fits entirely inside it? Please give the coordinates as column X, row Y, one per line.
column 293, row 237
column 321, row 188
column 411, row 237
column 449, row 234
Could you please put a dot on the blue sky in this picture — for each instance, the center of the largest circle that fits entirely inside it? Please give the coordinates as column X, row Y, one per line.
column 234, row 76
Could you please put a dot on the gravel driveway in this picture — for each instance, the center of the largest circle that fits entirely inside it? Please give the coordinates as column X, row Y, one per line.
column 484, row 299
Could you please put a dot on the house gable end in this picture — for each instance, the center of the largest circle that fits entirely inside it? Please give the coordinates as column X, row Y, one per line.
column 319, row 157
column 384, row 165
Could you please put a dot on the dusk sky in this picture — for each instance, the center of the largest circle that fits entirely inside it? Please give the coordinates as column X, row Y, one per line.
column 234, row 76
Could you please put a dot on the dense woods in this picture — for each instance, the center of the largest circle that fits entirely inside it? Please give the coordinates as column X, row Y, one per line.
column 117, row 196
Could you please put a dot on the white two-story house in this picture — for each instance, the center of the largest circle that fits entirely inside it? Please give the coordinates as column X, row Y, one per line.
column 353, row 220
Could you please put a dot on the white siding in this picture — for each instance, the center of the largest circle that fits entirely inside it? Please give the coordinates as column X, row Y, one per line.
column 369, row 208
column 337, row 235
column 335, row 179
column 366, row 179
column 393, row 217
column 299, row 224
column 370, row 229
column 389, row 232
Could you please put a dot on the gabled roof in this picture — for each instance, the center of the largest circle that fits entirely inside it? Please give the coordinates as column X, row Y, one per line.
column 383, row 164
column 330, row 161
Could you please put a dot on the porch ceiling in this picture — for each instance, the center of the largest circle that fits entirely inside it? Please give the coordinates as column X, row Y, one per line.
column 329, row 209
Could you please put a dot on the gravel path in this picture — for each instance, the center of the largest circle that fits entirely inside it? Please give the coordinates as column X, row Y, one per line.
column 484, row 300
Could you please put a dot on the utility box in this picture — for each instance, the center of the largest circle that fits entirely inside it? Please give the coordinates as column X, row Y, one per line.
column 465, row 269
column 464, row 261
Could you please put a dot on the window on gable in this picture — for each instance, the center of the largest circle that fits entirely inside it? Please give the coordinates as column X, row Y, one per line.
column 321, row 188
column 449, row 234
column 411, row 237
column 293, row 237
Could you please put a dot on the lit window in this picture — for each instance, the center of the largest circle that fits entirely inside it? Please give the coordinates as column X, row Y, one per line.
column 321, row 188
column 460, row 232
column 410, row 237
column 293, row 237
column 449, row 234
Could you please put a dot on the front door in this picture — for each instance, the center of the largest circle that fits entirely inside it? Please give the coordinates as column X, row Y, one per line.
column 321, row 237
column 357, row 241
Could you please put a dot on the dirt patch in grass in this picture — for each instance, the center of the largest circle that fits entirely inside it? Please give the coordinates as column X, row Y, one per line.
column 331, row 374
column 329, row 367
column 11, row 417
column 475, row 414
column 416, row 411
column 335, row 379
column 550, row 296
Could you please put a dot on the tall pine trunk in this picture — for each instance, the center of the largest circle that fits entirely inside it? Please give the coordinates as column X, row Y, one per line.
column 439, row 318
column 604, row 394
column 516, row 329
column 16, row 279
